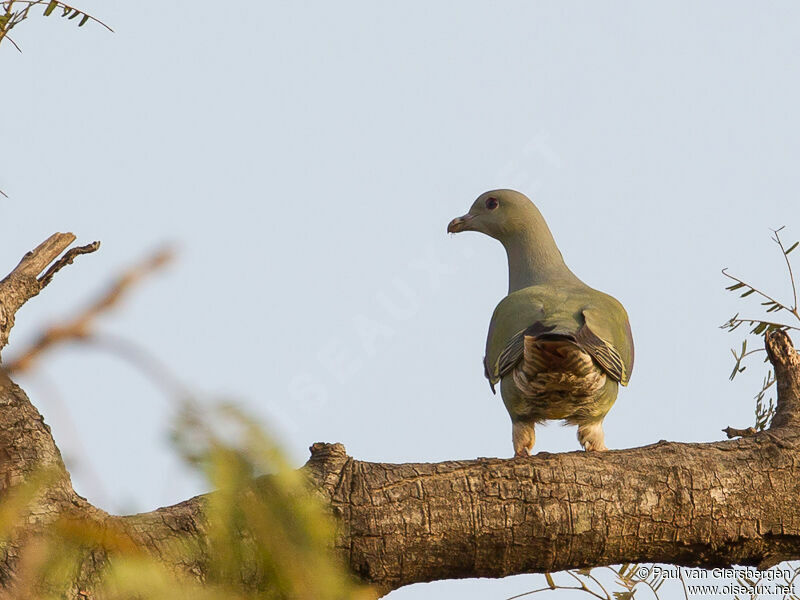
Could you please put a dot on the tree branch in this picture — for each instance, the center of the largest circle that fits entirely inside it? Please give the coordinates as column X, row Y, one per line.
column 23, row 283
column 716, row 504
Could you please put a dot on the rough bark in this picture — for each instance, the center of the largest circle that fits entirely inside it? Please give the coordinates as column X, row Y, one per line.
column 716, row 504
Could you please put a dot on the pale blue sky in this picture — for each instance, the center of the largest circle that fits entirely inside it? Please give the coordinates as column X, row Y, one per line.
column 306, row 158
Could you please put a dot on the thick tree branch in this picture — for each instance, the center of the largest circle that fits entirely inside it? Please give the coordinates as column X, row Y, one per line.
column 723, row 503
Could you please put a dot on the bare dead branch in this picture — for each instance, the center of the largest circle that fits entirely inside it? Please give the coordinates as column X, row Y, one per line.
column 23, row 282
column 66, row 260
column 36, row 261
column 81, row 326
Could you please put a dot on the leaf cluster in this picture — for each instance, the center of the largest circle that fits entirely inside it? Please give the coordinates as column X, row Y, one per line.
column 15, row 12
column 764, row 410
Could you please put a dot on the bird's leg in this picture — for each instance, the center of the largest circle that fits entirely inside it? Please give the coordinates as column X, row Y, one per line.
column 523, row 436
column 591, row 436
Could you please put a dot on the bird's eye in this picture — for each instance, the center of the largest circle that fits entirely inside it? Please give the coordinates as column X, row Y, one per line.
column 492, row 203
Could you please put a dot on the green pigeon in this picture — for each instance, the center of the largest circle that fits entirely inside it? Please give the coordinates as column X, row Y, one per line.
column 558, row 348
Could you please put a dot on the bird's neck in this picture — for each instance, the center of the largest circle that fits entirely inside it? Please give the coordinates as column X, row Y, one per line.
column 534, row 260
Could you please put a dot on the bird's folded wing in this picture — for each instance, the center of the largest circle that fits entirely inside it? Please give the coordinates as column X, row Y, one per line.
column 508, row 357
column 604, row 353
column 513, row 352
column 601, row 350
column 606, row 335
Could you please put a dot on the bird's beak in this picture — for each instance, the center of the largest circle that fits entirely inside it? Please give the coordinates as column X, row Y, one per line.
column 460, row 223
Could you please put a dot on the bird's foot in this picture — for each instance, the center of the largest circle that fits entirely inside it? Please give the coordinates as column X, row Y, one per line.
column 601, row 447
column 523, row 436
column 591, row 437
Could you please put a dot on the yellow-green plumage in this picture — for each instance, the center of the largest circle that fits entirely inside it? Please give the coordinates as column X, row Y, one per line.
column 558, row 348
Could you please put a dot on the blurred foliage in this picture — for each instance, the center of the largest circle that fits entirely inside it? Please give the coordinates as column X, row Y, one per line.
column 760, row 327
column 14, row 12
column 268, row 536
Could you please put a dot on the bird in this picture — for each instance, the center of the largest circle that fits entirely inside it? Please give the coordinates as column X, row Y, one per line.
column 558, row 348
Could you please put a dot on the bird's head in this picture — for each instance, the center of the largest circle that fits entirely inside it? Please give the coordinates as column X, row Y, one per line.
column 498, row 214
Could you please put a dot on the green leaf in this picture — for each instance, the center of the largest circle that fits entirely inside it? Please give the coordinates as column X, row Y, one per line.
column 747, row 293
column 793, row 246
column 73, row 15
column 50, row 8
column 83, row 20
column 735, row 286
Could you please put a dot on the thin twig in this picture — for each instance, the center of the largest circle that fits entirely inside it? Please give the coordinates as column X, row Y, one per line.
column 754, row 321
column 584, row 586
column 65, row 260
column 597, row 581
column 683, row 583
column 536, row 591
column 559, row 588
column 756, row 290
column 5, row 36
column 778, row 241
column 14, row 18
column 63, row 6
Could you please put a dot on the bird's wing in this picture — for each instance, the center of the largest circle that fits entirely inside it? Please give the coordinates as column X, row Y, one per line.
column 602, row 335
column 599, row 349
column 608, row 341
column 514, row 351
column 504, row 343
column 510, row 355
column 516, row 348
column 603, row 352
